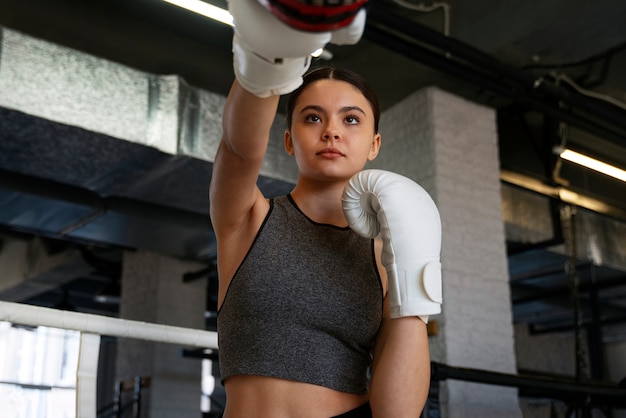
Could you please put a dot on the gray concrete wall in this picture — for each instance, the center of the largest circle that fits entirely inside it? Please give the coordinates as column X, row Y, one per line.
column 449, row 145
column 153, row 291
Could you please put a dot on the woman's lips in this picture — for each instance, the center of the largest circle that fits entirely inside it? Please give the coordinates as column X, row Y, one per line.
column 330, row 153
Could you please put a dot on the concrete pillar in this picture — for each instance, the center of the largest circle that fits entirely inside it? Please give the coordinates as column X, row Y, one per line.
column 29, row 267
column 449, row 146
column 153, row 291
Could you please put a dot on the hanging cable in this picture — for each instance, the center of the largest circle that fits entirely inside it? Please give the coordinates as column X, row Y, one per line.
column 586, row 61
column 598, row 96
column 558, row 162
column 568, row 214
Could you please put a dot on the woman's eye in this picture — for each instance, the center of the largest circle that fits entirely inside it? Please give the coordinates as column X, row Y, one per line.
column 352, row 120
column 312, row 118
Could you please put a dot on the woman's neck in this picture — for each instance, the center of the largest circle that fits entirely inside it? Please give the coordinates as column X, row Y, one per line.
column 321, row 203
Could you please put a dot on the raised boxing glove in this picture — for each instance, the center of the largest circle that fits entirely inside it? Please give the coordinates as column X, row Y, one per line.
column 315, row 15
column 382, row 203
column 271, row 57
column 350, row 34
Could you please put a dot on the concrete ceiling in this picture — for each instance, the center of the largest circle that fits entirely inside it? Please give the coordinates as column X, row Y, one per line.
column 537, row 63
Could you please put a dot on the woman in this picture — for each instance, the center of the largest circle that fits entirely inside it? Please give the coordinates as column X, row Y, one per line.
column 296, row 327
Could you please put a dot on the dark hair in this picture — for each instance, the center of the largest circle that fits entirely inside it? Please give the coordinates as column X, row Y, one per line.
column 340, row 74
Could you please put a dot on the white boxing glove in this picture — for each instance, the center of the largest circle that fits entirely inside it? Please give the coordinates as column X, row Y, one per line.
column 351, row 34
column 271, row 57
column 394, row 207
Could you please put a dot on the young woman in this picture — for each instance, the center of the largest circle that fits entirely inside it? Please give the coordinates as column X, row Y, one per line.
column 304, row 312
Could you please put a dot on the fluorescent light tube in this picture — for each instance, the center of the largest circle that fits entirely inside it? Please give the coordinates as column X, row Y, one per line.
column 593, row 164
column 205, row 9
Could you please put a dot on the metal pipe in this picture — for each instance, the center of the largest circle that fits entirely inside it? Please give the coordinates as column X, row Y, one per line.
column 384, row 27
column 545, row 386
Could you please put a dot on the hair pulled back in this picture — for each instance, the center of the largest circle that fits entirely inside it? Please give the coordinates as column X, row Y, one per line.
column 341, row 74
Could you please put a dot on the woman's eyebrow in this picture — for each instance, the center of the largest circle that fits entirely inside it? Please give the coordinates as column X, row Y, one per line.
column 347, row 109
column 344, row 109
column 312, row 107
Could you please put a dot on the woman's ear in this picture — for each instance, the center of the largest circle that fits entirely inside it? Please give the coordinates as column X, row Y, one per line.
column 375, row 147
column 288, row 142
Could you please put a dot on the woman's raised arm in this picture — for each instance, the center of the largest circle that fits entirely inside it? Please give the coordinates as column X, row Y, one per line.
column 246, row 124
column 269, row 59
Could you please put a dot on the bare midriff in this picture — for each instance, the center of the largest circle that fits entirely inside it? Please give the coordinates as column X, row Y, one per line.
column 268, row 397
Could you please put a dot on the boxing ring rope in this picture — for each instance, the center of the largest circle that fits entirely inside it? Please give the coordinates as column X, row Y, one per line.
column 91, row 327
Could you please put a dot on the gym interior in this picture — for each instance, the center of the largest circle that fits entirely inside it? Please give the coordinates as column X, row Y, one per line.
column 110, row 115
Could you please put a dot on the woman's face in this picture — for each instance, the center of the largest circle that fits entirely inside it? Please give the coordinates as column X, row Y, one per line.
column 332, row 132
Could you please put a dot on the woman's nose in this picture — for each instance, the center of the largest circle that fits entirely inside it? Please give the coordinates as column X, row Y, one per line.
column 331, row 133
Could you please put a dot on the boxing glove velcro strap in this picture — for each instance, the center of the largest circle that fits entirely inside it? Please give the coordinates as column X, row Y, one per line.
column 265, row 77
column 270, row 57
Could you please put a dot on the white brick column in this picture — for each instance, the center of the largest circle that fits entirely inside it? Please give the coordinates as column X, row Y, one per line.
column 449, row 146
column 153, row 291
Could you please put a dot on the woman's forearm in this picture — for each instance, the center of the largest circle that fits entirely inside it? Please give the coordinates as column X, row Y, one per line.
column 401, row 372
